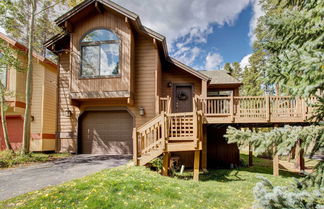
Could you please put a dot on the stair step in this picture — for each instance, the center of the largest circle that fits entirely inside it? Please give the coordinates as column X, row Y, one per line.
column 149, row 156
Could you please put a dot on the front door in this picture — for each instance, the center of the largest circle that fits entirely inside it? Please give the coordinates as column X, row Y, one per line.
column 182, row 98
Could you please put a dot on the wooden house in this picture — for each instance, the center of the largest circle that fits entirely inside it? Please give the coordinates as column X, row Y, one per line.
column 44, row 100
column 121, row 93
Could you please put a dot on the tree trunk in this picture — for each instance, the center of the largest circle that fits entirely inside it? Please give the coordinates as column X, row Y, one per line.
column 3, row 119
column 29, row 80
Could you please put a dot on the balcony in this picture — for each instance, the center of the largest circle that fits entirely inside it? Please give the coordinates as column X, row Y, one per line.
column 250, row 109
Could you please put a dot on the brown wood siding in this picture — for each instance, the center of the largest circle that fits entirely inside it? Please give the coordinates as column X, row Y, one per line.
column 66, row 125
column 145, row 69
column 178, row 76
column 219, row 153
column 117, row 25
column 158, row 78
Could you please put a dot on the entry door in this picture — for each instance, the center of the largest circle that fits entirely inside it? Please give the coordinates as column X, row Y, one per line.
column 182, row 98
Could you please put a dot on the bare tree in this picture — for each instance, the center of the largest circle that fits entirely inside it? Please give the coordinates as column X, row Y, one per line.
column 29, row 79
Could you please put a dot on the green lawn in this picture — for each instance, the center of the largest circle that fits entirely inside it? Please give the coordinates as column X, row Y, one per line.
column 10, row 159
column 138, row 187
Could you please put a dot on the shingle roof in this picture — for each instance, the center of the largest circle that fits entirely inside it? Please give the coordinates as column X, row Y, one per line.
column 220, row 77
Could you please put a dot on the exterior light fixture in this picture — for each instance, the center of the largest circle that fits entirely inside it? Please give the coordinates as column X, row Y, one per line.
column 169, row 84
column 141, row 111
column 68, row 113
column 32, row 118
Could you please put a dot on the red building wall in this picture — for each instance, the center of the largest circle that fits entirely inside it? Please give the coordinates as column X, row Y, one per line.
column 15, row 129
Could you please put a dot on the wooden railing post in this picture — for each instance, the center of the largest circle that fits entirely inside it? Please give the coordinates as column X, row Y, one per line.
column 168, row 108
column 268, row 108
column 232, row 108
column 166, row 130
column 135, row 146
column 195, row 125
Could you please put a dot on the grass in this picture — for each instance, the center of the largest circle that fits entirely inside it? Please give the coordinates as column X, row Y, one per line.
column 138, row 187
column 9, row 159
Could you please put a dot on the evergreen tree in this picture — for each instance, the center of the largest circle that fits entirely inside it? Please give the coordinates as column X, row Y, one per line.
column 16, row 20
column 228, row 68
column 292, row 36
column 234, row 69
column 252, row 77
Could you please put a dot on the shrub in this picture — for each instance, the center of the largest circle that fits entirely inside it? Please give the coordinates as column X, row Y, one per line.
column 268, row 196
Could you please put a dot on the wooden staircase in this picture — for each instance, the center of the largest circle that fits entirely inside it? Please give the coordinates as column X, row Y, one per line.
column 167, row 132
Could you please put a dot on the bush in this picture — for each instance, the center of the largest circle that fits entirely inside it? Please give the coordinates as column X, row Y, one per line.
column 268, row 196
column 10, row 159
column 156, row 164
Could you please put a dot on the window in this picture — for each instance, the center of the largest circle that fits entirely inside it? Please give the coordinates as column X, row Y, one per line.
column 100, row 54
column 219, row 93
column 3, row 72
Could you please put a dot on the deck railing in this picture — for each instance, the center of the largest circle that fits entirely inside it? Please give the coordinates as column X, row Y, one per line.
column 257, row 108
column 151, row 135
column 165, row 104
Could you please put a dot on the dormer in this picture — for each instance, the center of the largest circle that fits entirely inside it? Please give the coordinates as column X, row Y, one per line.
column 100, row 43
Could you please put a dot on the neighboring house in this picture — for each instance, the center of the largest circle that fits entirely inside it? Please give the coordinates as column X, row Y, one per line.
column 121, row 93
column 44, row 100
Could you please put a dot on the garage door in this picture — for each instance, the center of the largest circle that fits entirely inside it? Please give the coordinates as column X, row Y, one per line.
column 107, row 133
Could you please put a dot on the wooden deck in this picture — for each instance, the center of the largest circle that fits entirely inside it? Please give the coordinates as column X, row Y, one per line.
column 258, row 109
column 174, row 132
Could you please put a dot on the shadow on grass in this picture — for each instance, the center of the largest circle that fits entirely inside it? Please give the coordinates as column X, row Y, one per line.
column 261, row 166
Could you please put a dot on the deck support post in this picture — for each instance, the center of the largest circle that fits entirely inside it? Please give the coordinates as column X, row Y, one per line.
column 204, row 149
column 275, row 163
column 250, row 156
column 196, row 166
column 275, row 158
column 166, row 163
column 299, row 157
column 135, row 147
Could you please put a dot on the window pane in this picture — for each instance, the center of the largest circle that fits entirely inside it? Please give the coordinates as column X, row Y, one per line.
column 215, row 93
column 3, row 76
column 100, row 35
column 3, row 72
column 90, row 61
column 109, row 60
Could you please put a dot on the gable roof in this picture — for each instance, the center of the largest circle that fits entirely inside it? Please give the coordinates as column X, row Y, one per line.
column 22, row 47
column 220, row 77
column 134, row 19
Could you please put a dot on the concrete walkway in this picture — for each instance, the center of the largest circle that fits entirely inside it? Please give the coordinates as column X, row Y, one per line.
column 17, row 181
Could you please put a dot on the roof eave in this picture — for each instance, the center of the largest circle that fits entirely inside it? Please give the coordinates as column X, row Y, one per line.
column 188, row 69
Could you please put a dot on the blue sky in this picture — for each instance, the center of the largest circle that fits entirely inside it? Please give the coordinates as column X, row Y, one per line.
column 204, row 34
column 231, row 41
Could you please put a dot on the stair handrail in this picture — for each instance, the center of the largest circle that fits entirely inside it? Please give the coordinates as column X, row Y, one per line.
column 151, row 135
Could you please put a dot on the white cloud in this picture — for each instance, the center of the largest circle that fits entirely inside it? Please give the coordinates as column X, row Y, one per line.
column 257, row 12
column 187, row 55
column 180, row 18
column 245, row 61
column 187, row 24
column 213, row 61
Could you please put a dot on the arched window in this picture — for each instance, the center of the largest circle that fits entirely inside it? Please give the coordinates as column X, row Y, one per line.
column 100, row 54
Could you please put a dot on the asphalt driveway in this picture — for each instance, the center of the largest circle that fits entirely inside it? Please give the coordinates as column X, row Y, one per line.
column 17, row 181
